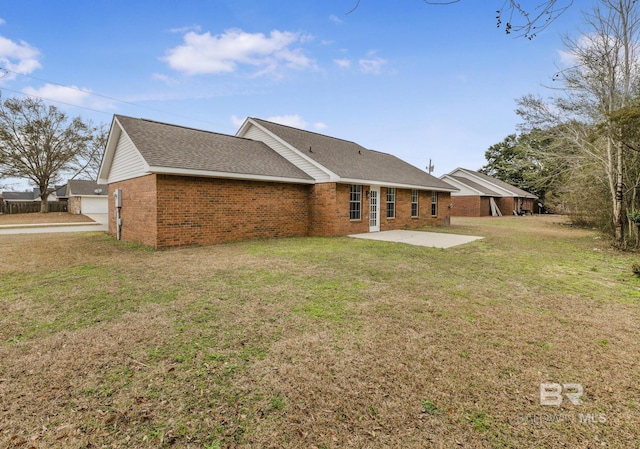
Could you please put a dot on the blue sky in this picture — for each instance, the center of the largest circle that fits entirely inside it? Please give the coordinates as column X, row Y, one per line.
column 419, row 81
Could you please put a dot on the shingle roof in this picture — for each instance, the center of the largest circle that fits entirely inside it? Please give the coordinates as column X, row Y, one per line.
column 510, row 188
column 81, row 187
column 352, row 161
column 475, row 186
column 177, row 147
column 19, row 196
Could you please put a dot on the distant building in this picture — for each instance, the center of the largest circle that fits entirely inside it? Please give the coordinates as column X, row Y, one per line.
column 480, row 195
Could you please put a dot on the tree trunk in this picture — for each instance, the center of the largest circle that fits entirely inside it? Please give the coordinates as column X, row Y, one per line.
column 618, row 222
column 44, row 203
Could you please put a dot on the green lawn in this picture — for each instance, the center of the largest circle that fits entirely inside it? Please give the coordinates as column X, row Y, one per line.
column 320, row 342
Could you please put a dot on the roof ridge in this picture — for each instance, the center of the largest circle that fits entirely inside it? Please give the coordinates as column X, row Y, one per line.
column 310, row 132
column 190, row 128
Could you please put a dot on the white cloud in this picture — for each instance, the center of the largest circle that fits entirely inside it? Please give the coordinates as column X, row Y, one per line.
column 343, row 63
column 224, row 53
column 71, row 95
column 2, row 21
column 320, row 126
column 373, row 65
column 18, row 57
column 335, row 19
column 293, row 120
column 165, row 79
column 237, row 121
column 195, row 28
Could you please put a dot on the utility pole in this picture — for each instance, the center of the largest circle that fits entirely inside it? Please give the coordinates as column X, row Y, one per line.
column 430, row 167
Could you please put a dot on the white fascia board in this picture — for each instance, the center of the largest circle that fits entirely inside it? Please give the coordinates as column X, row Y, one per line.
column 109, row 152
column 450, row 180
column 226, row 175
column 332, row 176
column 391, row 184
column 483, row 182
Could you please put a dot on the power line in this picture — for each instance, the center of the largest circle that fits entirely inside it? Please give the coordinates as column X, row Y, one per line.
column 85, row 91
column 54, row 101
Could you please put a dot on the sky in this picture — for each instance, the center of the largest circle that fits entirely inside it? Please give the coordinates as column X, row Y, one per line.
column 422, row 82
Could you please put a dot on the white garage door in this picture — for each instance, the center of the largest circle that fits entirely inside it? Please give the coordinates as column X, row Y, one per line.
column 95, row 205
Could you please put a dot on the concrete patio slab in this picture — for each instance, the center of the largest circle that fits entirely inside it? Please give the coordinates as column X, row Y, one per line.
column 419, row 238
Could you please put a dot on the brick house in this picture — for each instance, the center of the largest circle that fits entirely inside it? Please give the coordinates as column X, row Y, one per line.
column 179, row 186
column 480, row 195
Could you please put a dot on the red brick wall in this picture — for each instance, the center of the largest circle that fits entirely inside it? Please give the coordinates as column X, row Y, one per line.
column 476, row 206
column 343, row 224
column 403, row 218
column 203, row 211
column 168, row 211
column 506, row 205
column 322, row 209
column 470, row 206
column 329, row 213
column 139, row 211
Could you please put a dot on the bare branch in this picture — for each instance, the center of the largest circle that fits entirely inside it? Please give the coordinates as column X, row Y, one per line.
column 517, row 19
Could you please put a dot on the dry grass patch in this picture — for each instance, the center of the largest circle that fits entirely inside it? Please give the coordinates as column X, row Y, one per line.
column 319, row 342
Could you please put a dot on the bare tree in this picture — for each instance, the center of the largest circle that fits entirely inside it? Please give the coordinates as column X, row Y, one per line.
column 42, row 144
column 603, row 80
column 517, row 19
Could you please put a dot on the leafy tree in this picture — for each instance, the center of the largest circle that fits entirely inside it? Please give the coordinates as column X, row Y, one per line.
column 518, row 161
column 42, row 144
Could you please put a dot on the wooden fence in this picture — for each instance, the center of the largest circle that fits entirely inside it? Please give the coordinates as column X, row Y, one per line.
column 28, row 207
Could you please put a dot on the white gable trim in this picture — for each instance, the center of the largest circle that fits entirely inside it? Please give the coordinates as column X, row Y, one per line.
column 121, row 160
column 252, row 130
column 461, row 172
column 464, row 189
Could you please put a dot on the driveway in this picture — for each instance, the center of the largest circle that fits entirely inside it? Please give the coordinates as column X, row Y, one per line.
column 99, row 224
column 419, row 238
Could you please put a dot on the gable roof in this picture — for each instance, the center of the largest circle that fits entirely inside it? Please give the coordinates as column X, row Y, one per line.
column 21, row 196
column 474, row 185
column 351, row 162
column 83, row 187
column 480, row 182
column 173, row 149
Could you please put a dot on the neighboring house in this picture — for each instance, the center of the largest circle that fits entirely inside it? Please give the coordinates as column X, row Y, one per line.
column 87, row 197
column 480, row 195
column 181, row 186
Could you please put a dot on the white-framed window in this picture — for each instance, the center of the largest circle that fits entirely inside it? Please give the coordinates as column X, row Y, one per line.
column 434, row 204
column 414, row 202
column 355, row 202
column 391, row 202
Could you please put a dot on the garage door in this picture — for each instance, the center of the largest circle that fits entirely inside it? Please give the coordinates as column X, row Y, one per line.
column 95, row 205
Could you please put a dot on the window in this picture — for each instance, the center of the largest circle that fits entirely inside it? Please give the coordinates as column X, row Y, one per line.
column 355, row 202
column 391, row 202
column 434, row 204
column 414, row 203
